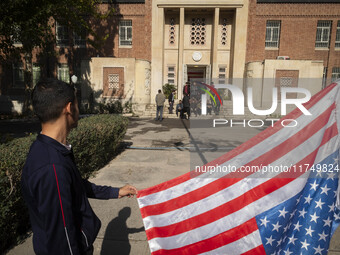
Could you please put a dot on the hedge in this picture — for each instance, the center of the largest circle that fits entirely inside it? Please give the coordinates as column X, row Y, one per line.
column 94, row 143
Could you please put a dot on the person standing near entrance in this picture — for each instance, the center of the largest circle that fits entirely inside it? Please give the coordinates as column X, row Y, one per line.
column 186, row 89
column 160, row 99
column 171, row 102
column 61, row 216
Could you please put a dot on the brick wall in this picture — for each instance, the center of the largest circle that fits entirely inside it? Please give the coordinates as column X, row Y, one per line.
column 298, row 32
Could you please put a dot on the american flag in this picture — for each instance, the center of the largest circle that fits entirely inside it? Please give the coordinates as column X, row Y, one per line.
column 290, row 213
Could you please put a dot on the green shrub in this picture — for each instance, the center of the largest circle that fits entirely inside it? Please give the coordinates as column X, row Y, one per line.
column 94, row 142
column 167, row 89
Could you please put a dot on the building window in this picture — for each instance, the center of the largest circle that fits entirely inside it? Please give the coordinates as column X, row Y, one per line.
column 221, row 74
column 18, row 75
column 172, row 31
column 36, row 74
column 272, row 33
column 79, row 39
column 335, row 73
column 323, row 33
column 61, row 35
column 171, row 74
column 337, row 37
column 64, row 73
column 125, row 32
column 224, row 32
column 198, row 31
column 15, row 36
column 113, row 81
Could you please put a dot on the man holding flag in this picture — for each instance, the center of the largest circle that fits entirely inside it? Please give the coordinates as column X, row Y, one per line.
column 292, row 212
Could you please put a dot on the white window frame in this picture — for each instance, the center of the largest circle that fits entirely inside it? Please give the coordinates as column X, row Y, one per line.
column 337, row 37
column 171, row 79
column 335, row 73
column 324, row 27
column 125, row 33
column 64, row 73
column 62, row 38
column 36, row 73
column 18, row 75
column 272, row 27
column 222, row 70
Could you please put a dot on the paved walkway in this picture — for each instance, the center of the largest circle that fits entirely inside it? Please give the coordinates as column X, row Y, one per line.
column 157, row 152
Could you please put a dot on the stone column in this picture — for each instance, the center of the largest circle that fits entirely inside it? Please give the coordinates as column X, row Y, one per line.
column 215, row 37
column 180, row 63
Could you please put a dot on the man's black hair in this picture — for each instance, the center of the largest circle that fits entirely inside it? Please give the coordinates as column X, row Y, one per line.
column 50, row 96
column 159, row 91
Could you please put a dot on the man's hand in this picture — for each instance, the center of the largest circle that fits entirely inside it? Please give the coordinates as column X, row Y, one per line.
column 127, row 190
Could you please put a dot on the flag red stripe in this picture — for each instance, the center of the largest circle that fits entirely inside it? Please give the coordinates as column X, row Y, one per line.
column 214, row 242
column 258, row 250
column 237, row 203
column 233, row 178
column 240, row 149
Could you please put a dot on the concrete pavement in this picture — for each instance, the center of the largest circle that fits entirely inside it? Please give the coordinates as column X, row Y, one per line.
column 156, row 152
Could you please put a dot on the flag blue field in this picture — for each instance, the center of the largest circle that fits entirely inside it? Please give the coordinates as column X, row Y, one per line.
column 287, row 212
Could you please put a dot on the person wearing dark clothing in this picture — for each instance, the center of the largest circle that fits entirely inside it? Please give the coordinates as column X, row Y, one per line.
column 186, row 89
column 61, row 216
column 179, row 107
column 171, row 99
column 186, row 106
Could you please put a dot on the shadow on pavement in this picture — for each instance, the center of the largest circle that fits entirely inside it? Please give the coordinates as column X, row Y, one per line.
column 116, row 238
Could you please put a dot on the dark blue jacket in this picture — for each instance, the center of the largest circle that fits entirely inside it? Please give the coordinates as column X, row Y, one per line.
column 62, row 219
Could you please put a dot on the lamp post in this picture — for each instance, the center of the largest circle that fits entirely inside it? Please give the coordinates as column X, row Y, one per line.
column 74, row 79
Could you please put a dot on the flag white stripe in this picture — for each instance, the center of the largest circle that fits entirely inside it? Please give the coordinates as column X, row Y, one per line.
column 237, row 218
column 241, row 159
column 242, row 245
column 233, row 191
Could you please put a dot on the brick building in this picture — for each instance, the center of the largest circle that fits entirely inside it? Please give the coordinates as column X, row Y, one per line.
column 272, row 43
column 296, row 42
column 111, row 72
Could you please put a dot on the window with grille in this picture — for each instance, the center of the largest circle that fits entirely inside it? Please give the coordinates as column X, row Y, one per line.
column 18, row 75
column 337, row 37
column 272, row 33
column 335, row 73
column 172, row 31
column 171, row 74
column 36, row 74
column 125, row 32
column 221, row 74
column 79, row 39
column 113, row 81
column 64, row 73
column 198, row 31
column 62, row 35
column 224, row 32
column 323, row 33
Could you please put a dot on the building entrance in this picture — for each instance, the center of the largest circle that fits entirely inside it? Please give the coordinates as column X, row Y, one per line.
column 196, row 73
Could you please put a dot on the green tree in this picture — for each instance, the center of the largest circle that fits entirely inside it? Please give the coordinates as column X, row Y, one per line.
column 168, row 88
column 26, row 25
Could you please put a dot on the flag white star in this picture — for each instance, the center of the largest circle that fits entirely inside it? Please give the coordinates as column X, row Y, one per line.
column 308, row 199
column 285, row 228
column 292, row 240
column 330, row 176
column 298, row 200
column 314, row 218
column 270, row 240
column 305, row 244
column 309, row 231
column 318, row 250
column 287, row 252
column 297, row 226
column 278, row 243
column 283, row 212
column 323, row 236
column 302, row 213
column 336, row 160
column 325, row 190
column 292, row 214
column 314, row 186
column 335, row 193
column 319, row 173
column 331, row 207
column 276, row 226
column 319, row 204
column 327, row 222
column 264, row 221
column 336, row 216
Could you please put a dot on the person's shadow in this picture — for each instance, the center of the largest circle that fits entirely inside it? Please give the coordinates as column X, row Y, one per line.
column 116, row 239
